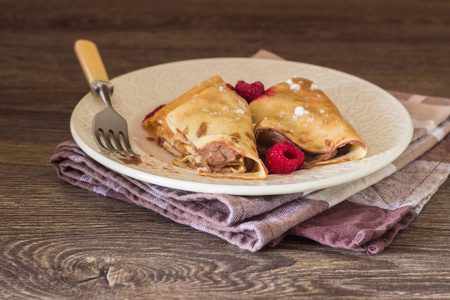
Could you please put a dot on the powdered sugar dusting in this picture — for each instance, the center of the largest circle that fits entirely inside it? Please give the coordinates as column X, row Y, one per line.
column 313, row 87
column 293, row 86
column 300, row 111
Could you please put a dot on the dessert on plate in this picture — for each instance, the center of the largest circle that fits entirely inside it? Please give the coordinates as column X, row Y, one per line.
column 209, row 129
column 222, row 131
column 297, row 111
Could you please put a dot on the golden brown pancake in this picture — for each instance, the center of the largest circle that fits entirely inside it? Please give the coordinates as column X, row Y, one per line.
column 209, row 129
column 299, row 112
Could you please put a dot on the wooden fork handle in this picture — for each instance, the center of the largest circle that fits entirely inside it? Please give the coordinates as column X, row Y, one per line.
column 90, row 61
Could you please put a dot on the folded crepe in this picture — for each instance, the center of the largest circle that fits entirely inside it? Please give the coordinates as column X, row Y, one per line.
column 209, row 129
column 299, row 112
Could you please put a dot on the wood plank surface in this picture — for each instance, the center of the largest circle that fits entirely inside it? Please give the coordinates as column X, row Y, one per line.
column 61, row 242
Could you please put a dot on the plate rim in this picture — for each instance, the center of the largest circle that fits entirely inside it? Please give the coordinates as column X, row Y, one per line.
column 238, row 189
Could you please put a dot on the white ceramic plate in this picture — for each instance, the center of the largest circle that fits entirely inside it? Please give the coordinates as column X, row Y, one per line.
column 382, row 122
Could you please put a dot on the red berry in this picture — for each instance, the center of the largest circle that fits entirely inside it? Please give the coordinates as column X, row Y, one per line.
column 267, row 93
column 230, row 86
column 249, row 91
column 148, row 116
column 283, row 158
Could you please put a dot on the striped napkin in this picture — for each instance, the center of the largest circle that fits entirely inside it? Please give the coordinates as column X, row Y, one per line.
column 368, row 215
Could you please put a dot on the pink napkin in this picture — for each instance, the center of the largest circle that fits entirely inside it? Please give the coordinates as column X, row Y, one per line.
column 369, row 214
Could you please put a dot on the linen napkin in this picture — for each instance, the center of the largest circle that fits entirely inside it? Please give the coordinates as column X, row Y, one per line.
column 368, row 213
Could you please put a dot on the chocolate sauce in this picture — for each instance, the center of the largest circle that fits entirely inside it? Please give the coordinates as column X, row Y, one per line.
column 134, row 160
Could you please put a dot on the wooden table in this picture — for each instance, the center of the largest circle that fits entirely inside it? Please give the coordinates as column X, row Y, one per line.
column 58, row 241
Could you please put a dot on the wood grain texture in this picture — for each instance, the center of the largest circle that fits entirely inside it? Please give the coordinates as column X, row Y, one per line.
column 61, row 242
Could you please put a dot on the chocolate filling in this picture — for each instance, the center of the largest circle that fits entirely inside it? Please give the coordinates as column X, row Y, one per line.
column 269, row 137
column 217, row 155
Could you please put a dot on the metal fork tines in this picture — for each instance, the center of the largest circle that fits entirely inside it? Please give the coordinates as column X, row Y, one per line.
column 110, row 128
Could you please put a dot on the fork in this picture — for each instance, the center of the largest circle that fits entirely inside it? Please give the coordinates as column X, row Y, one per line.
column 110, row 129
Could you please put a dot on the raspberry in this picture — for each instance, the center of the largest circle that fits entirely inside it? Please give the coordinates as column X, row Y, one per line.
column 148, row 116
column 249, row 91
column 283, row 158
column 230, row 87
column 267, row 93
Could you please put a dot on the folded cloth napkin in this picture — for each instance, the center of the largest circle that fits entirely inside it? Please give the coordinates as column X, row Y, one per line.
column 363, row 215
